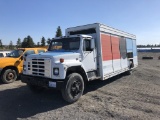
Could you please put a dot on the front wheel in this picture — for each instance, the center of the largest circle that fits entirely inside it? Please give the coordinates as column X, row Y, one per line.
column 9, row 76
column 73, row 88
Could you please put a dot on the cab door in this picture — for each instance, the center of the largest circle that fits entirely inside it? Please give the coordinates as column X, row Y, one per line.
column 89, row 56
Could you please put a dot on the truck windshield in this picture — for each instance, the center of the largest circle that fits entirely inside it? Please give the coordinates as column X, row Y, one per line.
column 65, row 44
column 15, row 53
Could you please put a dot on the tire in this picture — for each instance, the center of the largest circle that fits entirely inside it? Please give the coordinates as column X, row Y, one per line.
column 73, row 88
column 9, row 76
column 129, row 72
column 35, row 89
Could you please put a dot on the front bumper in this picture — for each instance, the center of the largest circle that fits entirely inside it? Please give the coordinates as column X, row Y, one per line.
column 43, row 82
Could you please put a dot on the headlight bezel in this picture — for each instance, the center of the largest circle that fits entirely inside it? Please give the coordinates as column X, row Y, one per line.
column 55, row 71
column 24, row 67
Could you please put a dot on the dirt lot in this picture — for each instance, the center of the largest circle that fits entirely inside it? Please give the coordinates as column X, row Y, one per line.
column 123, row 97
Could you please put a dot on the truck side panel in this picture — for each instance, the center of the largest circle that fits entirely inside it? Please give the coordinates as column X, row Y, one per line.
column 129, row 45
column 116, row 53
column 106, row 54
column 123, row 52
column 135, row 59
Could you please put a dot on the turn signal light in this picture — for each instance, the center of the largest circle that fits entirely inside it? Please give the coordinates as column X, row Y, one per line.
column 61, row 60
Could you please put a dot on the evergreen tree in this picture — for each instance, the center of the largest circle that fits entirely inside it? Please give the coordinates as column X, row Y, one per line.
column 43, row 41
column 27, row 42
column 24, row 43
column 48, row 41
column 1, row 45
column 58, row 32
column 19, row 43
column 30, row 42
column 11, row 45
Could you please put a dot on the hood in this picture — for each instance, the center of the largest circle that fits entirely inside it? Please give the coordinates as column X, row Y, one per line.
column 56, row 53
column 7, row 59
column 67, row 56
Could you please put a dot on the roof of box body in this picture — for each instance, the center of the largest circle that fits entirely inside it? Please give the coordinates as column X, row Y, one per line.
column 72, row 36
column 103, row 28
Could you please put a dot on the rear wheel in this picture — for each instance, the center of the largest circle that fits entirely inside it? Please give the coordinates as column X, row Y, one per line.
column 73, row 88
column 131, row 65
column 9, row 76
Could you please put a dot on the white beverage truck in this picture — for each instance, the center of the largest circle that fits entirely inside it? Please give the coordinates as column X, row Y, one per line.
column 85, row 53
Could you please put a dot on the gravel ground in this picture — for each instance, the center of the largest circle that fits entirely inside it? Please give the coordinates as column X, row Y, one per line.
column 136, row 96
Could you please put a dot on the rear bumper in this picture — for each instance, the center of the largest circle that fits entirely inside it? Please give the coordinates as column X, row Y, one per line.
column 43, row 82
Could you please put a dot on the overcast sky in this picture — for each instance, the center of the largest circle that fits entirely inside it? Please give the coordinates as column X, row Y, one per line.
column 37, row 18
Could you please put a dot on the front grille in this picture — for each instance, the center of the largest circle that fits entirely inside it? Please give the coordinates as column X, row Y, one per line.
column 37, row 66
column 40, row 67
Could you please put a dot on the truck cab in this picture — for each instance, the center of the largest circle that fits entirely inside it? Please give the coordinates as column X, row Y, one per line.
column 80, row 47
column 67, row 57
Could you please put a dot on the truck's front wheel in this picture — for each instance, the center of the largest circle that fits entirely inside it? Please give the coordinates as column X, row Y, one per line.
column 9, row 76
column 73, row 88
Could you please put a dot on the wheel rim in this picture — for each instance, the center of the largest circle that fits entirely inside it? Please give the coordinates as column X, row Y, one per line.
column 10, row 76
column 76, row 88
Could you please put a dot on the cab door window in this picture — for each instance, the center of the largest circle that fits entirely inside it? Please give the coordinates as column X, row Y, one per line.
column 86, row 45
column 41, row 51
column 29, row 52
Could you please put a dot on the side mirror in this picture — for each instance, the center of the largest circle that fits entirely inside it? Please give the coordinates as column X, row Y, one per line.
column 92, row 44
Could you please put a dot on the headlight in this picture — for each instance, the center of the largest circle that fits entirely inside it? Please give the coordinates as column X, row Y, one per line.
column 24, row 67
column 56, row 71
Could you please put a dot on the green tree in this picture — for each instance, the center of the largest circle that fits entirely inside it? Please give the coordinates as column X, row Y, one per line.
column 30, row 43
column 11, row 45
column 48, row 41
column 27, row 42
column 19, row 43
column 24, row 43
column 43, row 41
column 1, row 45
column 58, row 32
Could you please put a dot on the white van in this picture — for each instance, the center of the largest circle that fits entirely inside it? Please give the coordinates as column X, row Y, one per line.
column 4, row 53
